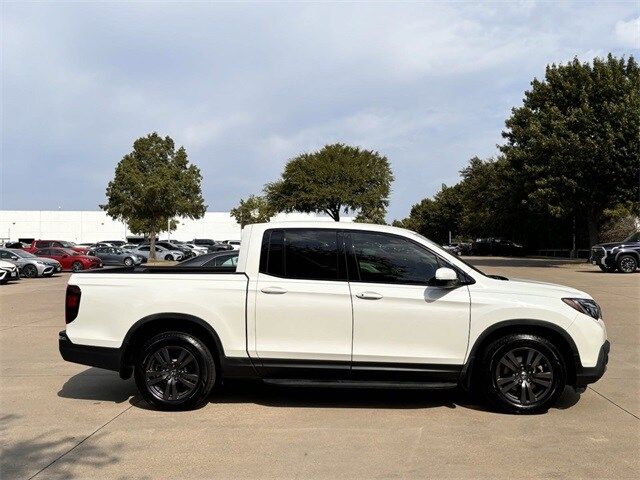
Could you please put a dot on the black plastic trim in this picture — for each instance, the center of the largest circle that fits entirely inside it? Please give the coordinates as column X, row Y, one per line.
column 100, row 357
column 588, row 375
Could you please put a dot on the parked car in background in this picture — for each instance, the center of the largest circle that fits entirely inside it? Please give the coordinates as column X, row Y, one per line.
column 234, row 243
column 185, row 251
column 198, row 250
column 29, row 265
column 8, row 272
column 161, row 253
column 215, row 259
column 70, row 259
column 452, row 248
column 623, row 256
column 211, row 245
column 39, row 244
column 496, row 246
column 129, row 246
column 16, row 245
column 117, row 256
column 115, row 243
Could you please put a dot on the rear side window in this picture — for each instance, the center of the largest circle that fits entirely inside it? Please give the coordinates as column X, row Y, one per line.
column 42, row 244
column 300, row 253
column 382, row 258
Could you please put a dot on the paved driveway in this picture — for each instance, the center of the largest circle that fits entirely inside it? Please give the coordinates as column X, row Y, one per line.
column 59, row 420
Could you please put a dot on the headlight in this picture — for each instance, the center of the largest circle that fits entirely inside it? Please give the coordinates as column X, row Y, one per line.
column 583, row 305
column 39, row 262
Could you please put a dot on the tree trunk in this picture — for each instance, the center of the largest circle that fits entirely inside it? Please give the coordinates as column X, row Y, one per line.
column 152, row 245
column 593, row 230
column 334, row 213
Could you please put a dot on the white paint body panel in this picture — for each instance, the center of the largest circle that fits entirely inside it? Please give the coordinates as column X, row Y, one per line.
column 313, row 320
column 410, row 324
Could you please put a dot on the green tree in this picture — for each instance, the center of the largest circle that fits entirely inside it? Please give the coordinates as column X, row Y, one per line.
column 435, row 218
column 575, row 141
column 153, row 184
column 338, row 178
column 254, row 209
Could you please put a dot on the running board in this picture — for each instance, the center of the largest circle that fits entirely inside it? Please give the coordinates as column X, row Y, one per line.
column 360, row 384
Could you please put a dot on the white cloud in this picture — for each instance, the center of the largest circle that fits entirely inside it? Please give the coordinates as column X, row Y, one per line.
column 628, row 33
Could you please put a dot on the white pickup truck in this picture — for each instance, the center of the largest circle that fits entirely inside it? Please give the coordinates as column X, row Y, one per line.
column 335, row 304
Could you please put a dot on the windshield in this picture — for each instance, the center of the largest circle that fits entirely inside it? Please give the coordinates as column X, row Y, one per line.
column 634, row 237
column 67, row 244
column 457, row 258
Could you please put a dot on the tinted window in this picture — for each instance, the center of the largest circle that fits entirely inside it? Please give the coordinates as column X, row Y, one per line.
column 384, row 258
column 144, row 249
column 311, row 254
column 42, row 244
column 4, row 254
column 275, row 254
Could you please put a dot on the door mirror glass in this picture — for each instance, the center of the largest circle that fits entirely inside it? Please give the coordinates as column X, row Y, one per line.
column 445, row 278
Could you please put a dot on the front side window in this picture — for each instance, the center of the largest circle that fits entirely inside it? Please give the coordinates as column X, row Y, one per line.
column 383, row 258
column 42, row 244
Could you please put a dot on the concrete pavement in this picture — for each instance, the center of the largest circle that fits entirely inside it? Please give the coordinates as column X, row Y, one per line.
column 59, row 420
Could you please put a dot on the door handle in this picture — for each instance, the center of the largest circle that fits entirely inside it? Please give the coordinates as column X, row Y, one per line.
column 369, row 295
column 273, row 290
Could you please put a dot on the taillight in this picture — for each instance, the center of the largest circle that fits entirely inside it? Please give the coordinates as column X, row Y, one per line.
column 72, row 303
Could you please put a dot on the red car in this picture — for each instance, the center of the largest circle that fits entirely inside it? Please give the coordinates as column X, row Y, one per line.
column 69, row 259
column 39, row 244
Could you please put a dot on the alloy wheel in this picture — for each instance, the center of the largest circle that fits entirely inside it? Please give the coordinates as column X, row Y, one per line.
column 29, row 271
column 628, row 264
column 77, row 267
column 171, row 373
column 524, row 376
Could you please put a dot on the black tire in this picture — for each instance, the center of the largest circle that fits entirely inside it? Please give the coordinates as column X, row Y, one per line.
column 627, row 263
column 163, row 384
column 607, row 269
column 128, row 261
column 531, row 382
column 77, row 266
column 29, row 271
column 168, row 257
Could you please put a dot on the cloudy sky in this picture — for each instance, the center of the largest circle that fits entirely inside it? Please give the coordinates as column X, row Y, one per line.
column 246, row 86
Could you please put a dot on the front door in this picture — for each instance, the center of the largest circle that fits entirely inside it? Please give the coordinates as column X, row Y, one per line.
column 303, row 305
column 403, row 328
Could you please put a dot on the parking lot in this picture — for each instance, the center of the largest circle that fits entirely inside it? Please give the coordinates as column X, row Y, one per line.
column 60, row 420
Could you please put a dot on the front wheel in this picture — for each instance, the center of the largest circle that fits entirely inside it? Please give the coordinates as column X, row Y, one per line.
column 627, row 263
column 30, row 271
column 523, row 373
column 168, row 257
column 128, row 262
column 77, row 266
column 175, row 371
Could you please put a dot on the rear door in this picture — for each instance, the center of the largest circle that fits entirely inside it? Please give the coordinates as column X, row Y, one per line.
column 303, row 305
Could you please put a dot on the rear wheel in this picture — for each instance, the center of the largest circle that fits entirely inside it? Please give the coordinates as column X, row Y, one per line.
column 627, row 263
column 77, row 266
column 523, row 373
column 175, row 371
column 29, row 271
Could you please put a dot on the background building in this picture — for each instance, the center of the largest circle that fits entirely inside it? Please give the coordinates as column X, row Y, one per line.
column 93, row 226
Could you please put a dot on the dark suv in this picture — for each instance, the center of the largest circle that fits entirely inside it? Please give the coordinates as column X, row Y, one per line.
column 623, row 256
column 496, row 246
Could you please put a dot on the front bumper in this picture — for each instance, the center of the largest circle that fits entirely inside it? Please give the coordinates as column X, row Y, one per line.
column 100, row 357
column 600, row 256
column 587, row 375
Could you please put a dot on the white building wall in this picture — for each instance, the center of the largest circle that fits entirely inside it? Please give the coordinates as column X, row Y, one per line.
column 93, row 226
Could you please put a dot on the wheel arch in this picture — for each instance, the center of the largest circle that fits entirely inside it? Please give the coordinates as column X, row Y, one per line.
column 151, row 325
column 556, row 334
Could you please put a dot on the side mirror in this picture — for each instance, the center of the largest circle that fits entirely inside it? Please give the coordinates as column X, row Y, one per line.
column 445, row 278
column 15, row 257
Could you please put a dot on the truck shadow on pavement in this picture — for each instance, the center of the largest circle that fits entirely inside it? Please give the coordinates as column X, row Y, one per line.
column 99, row 386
